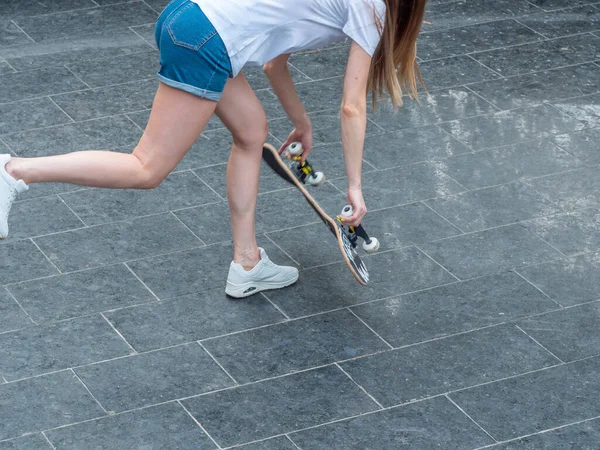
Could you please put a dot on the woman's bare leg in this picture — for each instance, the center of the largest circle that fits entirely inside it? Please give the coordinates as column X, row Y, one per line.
column 243, row 115
column 176, row 121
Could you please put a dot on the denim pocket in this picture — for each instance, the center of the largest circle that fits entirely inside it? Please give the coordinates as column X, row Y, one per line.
column 190, row 28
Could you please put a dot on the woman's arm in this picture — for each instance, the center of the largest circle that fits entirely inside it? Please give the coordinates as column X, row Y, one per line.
column 354, row 123
column 281, row 81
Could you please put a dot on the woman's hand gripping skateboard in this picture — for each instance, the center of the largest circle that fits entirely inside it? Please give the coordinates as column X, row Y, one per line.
column 350, row 217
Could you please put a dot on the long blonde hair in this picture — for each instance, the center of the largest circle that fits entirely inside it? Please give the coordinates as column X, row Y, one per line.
column 394, row 66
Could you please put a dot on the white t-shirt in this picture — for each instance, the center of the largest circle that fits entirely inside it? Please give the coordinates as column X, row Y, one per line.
column 257, row 31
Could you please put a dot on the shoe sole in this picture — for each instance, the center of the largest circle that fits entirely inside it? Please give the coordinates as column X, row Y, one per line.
column 241, row 291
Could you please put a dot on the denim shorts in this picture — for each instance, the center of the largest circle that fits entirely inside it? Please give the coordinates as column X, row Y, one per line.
column 193, row 57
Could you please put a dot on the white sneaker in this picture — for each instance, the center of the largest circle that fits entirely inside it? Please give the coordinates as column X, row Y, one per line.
column 265, row 275
column 9, row 190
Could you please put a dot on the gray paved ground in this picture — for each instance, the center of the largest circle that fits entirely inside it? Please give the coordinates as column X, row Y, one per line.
column 481, row 322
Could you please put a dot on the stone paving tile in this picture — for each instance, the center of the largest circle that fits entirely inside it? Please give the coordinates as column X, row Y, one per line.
column 58, row 217
column 293, row 346
column 572, row 190
column 570, row 334
column 191, row 318
column 585, row 109
column 511, row 127
column 78, row 23
column 16, row 8
column 418, row 426
column 26, row 114
column 583, row 144
column 102, row 44
column 21, row 261
column 321, row 95
column 541, row 55
column 408, row 184
column 454, row 71
column 195, row 271
column 119, row 69
column 42, row 349
column 179, row 190
column 44, row 402
column 401, row 226
column 146, row 32
column 268, row 408
column 449, row 364
column 571, row 233
column 474, row 38
column 11, row 34
column 117, row 242
column 24, row 85
column 549, row 5
column 332, row 286
column 109, row 101
column 538, row 401
column 461, row 13
column 30, row 442
column 279, row 443
column 508, row 164
column 211, row 223
column 438, row 106
column 536, row 88
column 101, row 134
column 327, row 63
column 456, row 308
column 492, row 207
column 5, row 67
column 569, row 282
column 164, row 426
column 490, row 251
column 581, row 436
column 150, row 378
column 410, row 146
column 576, row 20
column 77, row 294
column 12, row 316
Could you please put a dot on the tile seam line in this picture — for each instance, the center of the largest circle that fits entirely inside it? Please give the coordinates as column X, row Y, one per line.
column 88, row 391
column 538, row 343
column 361, row 388
column 470, row 418
column 23, row 31
column 517, row 271
column 548, row 430
column 235, row 382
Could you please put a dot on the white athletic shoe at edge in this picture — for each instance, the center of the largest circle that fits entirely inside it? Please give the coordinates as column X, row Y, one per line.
column 9, row 190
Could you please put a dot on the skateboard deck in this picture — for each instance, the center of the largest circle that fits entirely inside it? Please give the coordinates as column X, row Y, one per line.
column 346, row 245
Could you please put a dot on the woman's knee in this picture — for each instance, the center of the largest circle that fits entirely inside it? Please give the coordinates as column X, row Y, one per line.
column 252, row 137
column 147, row 176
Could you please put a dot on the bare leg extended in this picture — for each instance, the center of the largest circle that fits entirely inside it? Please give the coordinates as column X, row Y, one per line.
column 176, row 121
column 243, row 115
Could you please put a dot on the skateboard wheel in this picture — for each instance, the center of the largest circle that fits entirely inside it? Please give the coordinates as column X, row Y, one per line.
column 317, row 179
column 347, row 211
column 371, row 247
column 295, row 149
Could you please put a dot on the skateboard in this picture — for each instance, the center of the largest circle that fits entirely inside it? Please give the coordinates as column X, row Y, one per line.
column 302, row 174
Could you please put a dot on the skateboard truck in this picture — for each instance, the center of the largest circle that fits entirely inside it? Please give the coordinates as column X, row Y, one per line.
column 303, row 170
column 370, row 245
